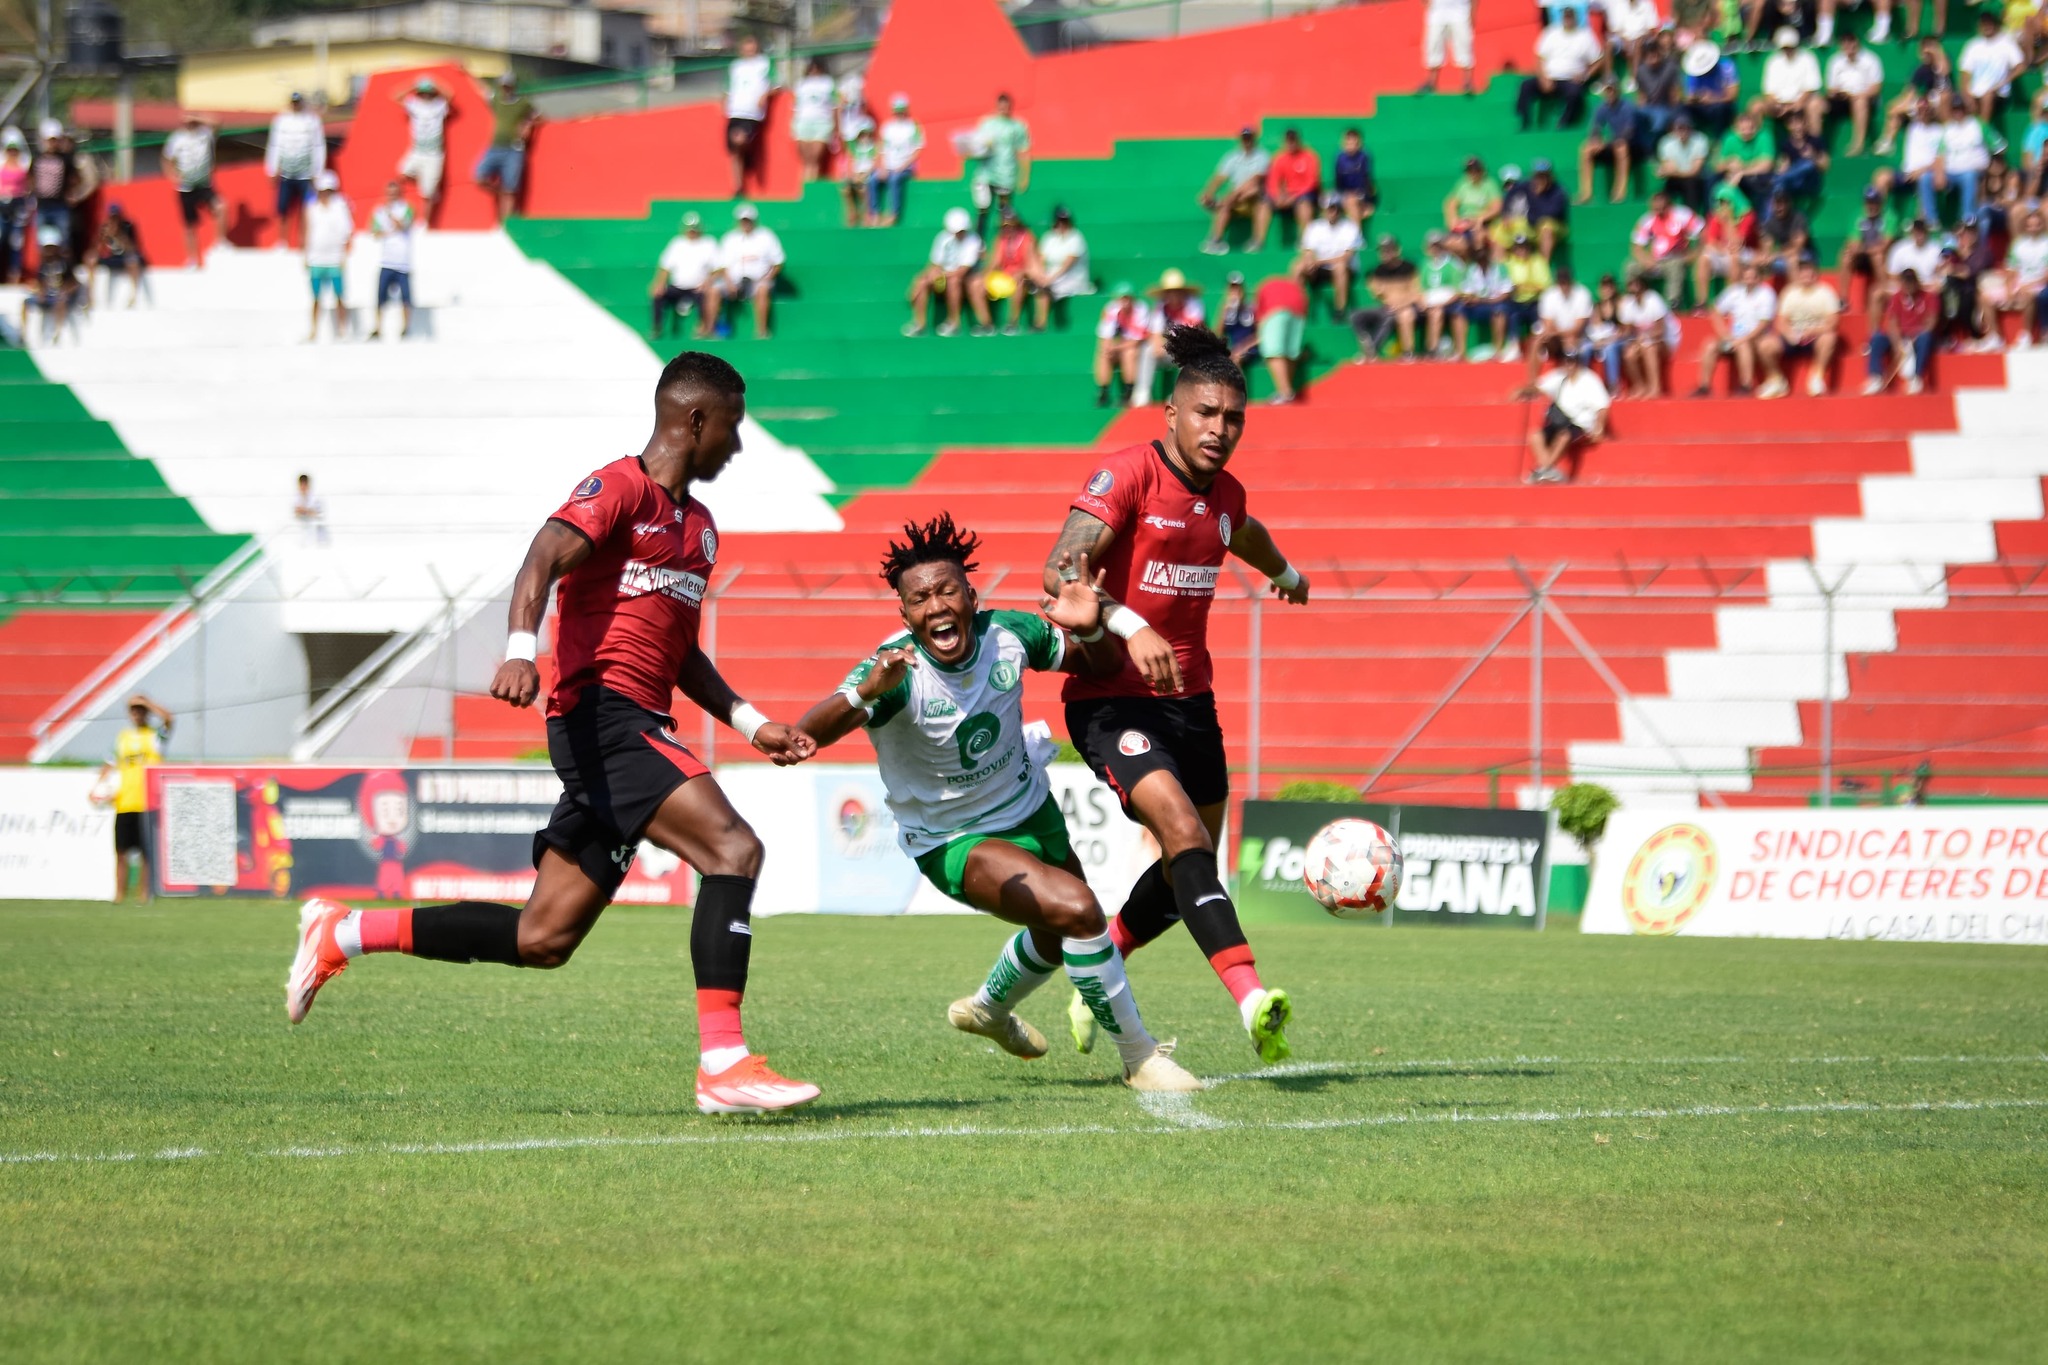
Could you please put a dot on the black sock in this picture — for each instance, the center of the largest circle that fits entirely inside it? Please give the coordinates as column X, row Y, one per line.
column 1204, row 905
column 721, row 933
column 1149, row 911
column 467, row 931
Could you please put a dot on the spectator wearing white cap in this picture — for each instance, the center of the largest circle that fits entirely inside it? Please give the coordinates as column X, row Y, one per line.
column 750, row 256
column 1791, row 79
column 898, row 146
column 687, row 277
column 329, row 226
column 54, row 177
column 14, row 203
column 748, row 82
column 426, row 158
column 955, row 255
column 293, row 157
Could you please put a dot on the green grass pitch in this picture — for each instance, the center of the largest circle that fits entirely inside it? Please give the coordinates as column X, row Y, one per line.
column 1491, row 1146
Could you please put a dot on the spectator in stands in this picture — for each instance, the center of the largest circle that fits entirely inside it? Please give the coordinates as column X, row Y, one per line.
column 1606, row 340
column 53, row 182
column 15, row 205
column 901, row 141
column 502, row 167
column 1294, row 182
column 1562, row 312
column 955, row 256
column 1351, row 179
column 1903, row 342
column 689, row 275
column 1864, row 248
column 117, row 248
column 1920, row 160
column 1742, row 318
column 1988, row 63
column 1119, row 335
column 1545, row 206
column 2033, row 178
column 1659, row 86
column 748, row 82
column 1631, row 24
column 1916, row 253
column 1574, row 415
column 1728, row 240
column 1484, row 300
column 1665, row 243
column 1443, row 283
column 850, row 104
column 329, row 225
column 1748, row 157
column 1238, row 186
column 1329, row 248
column 813, row 107
column 188, row 155
column 1280, row 312
column 1530, row 275
column 309, row 513
column 1446, row 27
column 2026, row 293
column 1784, row 237
column 1650, row 332
column 1711, row 87
column 1063, row 252
column 1567, row 57
column 1618, row 127
column 1808, row 324
column 1966, row 147
column 1964, row 318
column 1768, row 16
column 426, row 159
column 55, row 292
column 1931, row 79
column 1791, row 79
column 1802, row 155
column 1176, row 302
column 1471, row 207
column 750, row 262
column 1855, row 80
column 294, row 156
column 1002, row 170
column 1998, row 199
column 1682, row 163
column 1236, row 320
column 857, row 177
column 1396, row 289
column 1016, row 273
column 391, row 224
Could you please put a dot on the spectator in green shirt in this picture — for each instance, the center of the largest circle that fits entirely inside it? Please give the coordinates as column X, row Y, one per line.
column 1002, row 143
column 1748, row 157
column 1443, row 279
column 503, row 165
column 1470, row 207
column 1239, row 186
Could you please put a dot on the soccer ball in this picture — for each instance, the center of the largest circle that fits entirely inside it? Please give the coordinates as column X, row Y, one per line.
column 1352, row 868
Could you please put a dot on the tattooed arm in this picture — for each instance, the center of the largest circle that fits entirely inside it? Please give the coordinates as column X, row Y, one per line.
column 1086, row 539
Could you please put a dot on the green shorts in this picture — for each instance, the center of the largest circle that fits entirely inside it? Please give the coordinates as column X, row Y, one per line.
column 1280, row 336
column 1043, row 836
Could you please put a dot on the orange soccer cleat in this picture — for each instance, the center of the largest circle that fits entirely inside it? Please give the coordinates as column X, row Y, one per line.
column 749, row 1087
column 319, row 958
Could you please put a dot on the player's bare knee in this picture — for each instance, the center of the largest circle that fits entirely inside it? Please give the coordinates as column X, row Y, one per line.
column 546, row 948
column 1076, row 916
column 736, row 852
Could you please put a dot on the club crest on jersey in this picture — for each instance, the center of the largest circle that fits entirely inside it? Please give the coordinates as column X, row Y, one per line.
column 1003, row 676
column 589, row 488
column 1223, row 525
column 1102, row 482
column 1131, row 744
column 709, row 540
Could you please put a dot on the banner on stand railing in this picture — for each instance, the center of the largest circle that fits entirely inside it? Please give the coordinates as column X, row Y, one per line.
column 55, row 844
column 1930, row 874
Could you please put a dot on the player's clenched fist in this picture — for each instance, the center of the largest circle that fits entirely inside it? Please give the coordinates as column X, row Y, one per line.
column 785, row 745
column 517, row 681
column 1298, row 594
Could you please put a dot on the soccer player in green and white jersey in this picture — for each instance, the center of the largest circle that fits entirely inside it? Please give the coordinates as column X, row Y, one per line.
column 943, row 702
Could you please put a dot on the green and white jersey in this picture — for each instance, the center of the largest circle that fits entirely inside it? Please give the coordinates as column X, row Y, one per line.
column 950, row 739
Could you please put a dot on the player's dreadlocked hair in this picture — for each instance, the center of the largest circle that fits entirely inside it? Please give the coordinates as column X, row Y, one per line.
column 937, row 541
column 700, row 370
column 1203, row 357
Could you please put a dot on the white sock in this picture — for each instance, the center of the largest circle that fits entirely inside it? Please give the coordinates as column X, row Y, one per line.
column 717, row 1059
column 1017, row 973
column 1247, row 1005
column 1824, row 30
column 1881, row 27
column 348, row 935
column 1097, row 970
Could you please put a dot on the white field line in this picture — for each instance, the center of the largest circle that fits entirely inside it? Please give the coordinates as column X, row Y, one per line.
column 1178, row 1110
column 1206, row 1122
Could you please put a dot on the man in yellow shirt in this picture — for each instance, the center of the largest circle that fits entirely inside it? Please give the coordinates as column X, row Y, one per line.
column 136, row 750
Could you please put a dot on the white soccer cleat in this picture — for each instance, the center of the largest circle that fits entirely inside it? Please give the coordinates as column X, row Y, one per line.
column 749, row 1087
column 1004, row 1029
column 1159, row 1074
column 319, row 959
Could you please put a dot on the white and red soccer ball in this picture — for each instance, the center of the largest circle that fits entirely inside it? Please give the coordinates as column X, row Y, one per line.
column 1352, row 868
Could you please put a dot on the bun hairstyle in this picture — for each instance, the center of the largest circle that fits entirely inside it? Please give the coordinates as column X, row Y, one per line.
column 1203, row 357
column 937, row 541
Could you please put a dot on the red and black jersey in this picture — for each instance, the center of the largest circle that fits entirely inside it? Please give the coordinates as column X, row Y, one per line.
column 1163, row 564
column 628, row 614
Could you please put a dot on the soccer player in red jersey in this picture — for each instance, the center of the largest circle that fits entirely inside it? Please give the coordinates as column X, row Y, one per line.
column 1159, row 518
column 632, row 551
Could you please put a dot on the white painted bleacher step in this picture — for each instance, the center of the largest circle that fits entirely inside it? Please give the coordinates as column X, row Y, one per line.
column 436, row 457
column 1725, row 702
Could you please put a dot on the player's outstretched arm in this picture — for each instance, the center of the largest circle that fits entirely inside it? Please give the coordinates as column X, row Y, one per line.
column 1077, row 610
column 1088, row 538
column 702, row 683
column 875, row 689
column 1253, row 543
column 557, row 548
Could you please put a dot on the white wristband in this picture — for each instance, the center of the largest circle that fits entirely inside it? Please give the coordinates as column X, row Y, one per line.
column 1287, row 579
column 1124, row 623
column 1091, row 637
column 521, row 644
column 747, row 720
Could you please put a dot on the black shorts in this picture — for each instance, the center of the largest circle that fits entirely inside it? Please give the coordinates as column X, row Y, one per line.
column 129, row 834
column 618, row 762
column 1124, row 738
column 191, row 201
column 682, row 300
column 741, row 134
column 1556, row 424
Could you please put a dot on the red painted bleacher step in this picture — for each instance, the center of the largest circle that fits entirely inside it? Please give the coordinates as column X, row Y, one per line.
column 49, row 651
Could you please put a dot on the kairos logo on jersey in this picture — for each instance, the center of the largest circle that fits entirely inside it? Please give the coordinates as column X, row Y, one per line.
column 1132, row 743
column 1179, row 580
column 1166, row 523
column 1102, row 482
column 637, row 579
